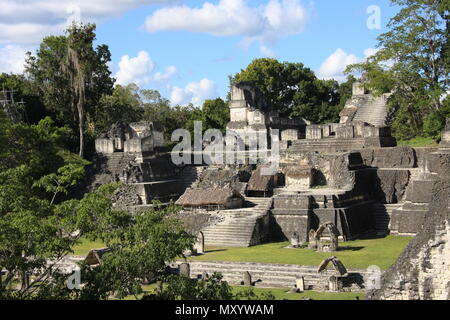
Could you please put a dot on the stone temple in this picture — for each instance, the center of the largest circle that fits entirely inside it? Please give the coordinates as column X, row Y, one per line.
column 349, row 175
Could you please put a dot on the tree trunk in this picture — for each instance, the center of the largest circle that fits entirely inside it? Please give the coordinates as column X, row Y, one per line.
column 81, row 125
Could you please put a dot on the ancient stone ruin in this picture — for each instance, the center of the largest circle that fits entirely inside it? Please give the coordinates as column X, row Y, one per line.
column 423, row 270
column 325, row 239
column 334, row 182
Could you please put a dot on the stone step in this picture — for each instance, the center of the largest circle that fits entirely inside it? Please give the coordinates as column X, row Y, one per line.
column 265, row 275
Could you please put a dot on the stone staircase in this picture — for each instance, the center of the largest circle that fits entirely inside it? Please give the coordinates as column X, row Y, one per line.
column 373, row 112
column 238, row 227
column 269, row 275
column 327, row 144
column 190, row 175
column 382, row 216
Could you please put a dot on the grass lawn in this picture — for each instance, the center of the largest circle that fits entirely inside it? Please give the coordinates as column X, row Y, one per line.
column 82, row 248
column 280, row 294
column 418, row 142
column 358, row 254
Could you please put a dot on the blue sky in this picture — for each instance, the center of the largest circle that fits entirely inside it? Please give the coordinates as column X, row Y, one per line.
column 187, row 49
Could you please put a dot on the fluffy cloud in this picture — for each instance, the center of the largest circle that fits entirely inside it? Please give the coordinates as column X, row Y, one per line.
column 135, row 69
column 139, row 70
column 265, row 24
column 165, row 76
column 370, row 52
column 333, row 67
column 12, row 59
column 27, row 21
column 194, row 92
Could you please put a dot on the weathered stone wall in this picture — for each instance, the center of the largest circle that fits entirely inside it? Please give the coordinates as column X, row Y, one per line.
column 332, row 170
column 195, row 221
column 423, row 270
column 390, row 185
column 285, row 225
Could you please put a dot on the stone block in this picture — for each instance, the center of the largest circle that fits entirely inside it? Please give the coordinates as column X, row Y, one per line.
column 295, row 202
column 345, row 132
column 185, row 270
column 300, row 284
column 391, row 185
column 289, row 135
column 420, row 191
column 299, row 177
column 288, row 224
column 407, row 221
column 247, row 279
column 104, row 146
column 314, row 132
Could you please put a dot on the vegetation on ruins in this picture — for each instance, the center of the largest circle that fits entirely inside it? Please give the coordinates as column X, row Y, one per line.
column 413, row 61
column 294, row 90
column 70, row 98
column 70, row 77
column 38, row 221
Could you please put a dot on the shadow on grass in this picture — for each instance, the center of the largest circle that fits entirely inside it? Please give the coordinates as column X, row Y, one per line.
column 350, row 248
column 370, row 236
column 217, row 250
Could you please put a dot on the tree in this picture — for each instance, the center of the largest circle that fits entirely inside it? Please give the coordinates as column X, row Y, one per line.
column 34, row 169
column 158, row 109
column 38, row 219
column 293, row 89
column 216, row 114
column 70, row 78
column 141, row 245
column 32, row 110
column 412, row 61
column 213, row 288
column 124, row 104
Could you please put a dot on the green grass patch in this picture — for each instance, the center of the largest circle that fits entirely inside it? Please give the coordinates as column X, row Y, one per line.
column 84, row 246
column 418, row 142
column 283, row 293
column 358, row 254
column 279, row 294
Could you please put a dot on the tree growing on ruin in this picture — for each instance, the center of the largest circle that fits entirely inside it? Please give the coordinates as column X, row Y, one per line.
column 294, row 90
column 70, row 77
column 413, row 61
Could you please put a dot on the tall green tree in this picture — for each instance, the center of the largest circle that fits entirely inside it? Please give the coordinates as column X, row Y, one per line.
column 158, row 108
column 70, row 77
column 124, row 104
column 293, row 89
column 413, row 62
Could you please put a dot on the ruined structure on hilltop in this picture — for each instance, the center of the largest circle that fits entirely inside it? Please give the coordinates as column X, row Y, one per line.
column 363, row 106
column 348, row 175
column 135, row 154
column 250, row 113
column 139, row 138
column 423, row 270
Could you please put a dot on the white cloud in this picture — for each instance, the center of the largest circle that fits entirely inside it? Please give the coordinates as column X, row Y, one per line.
column 140, row 69
column 12, row 59
column 166, row 76
column 28, row 21
column 335, row 64
column 265, row 24
column 137, row 69
column 194, row 92
column 370, row 52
